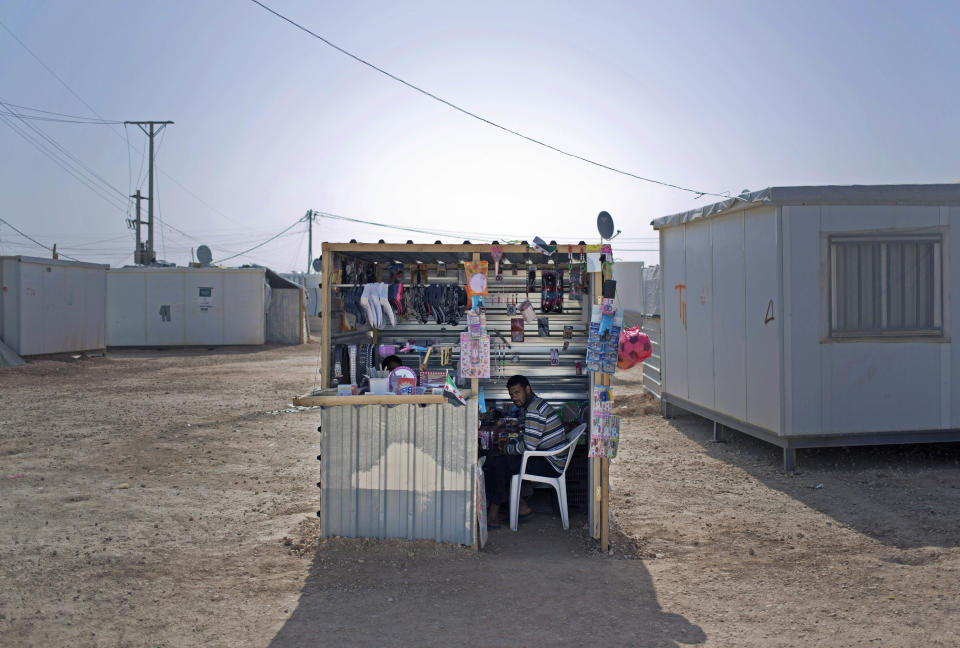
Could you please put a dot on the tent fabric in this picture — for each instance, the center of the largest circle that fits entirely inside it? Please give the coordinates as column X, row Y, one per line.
column 920, row 194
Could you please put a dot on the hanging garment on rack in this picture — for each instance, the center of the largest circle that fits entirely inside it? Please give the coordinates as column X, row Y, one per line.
column 384, row 302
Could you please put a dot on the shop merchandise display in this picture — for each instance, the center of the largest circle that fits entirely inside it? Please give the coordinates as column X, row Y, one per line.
column 634, row 347
column 604, row 426
column 603, row 345
column 474, row 356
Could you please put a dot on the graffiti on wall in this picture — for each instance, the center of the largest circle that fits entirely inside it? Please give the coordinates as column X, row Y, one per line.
column 683, row 303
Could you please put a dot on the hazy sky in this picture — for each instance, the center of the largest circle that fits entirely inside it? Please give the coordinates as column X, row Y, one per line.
column 270, row 122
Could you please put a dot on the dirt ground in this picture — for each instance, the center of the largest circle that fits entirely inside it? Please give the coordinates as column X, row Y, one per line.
column 152, row 498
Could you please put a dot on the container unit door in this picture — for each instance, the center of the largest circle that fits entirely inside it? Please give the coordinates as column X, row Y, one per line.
column 165, row 308
column 203, row 305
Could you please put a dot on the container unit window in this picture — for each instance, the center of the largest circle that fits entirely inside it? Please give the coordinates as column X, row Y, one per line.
column 886, row 286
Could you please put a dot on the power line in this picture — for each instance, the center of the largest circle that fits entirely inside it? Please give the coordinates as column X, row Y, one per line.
column 483, row 119
column 277, row 235
column 65, row 115
column 58, row 161
column 7, row 223
column 114, row 130
column 70, row 155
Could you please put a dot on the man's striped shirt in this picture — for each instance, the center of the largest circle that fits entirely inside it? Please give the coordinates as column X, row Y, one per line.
column 542, row 429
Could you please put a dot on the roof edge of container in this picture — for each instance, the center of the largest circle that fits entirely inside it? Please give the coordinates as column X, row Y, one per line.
column 903, row 194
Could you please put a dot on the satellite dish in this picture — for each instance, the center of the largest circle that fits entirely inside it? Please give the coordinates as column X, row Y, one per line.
column 203, row 255
column 605, row 225
column 317, row 265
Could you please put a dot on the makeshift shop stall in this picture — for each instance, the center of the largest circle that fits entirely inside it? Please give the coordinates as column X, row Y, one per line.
column 399, row 449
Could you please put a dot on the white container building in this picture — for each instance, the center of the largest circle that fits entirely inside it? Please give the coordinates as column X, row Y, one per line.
column 176, row 306
column 816, row 316
column 52, row 305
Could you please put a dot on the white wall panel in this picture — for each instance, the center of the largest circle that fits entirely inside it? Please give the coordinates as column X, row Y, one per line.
column 729, row 325
column 166, row 322
column 802, row 388
column 126, row 308
column 244, row 313
column 203, row 307
column 674, row 314
column 848, row 218
column 186, row 306
column 762, row 337
column 699, row 299
column 53, row 306
column 953, row 276
column 881, row 387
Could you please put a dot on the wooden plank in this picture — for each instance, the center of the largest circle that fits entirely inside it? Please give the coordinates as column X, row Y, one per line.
column 374, row 248
column 384, row 399
column 326, row 320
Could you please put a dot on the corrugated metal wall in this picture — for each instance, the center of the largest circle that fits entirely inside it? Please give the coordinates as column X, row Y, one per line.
column 283, row 316
column 402, row 471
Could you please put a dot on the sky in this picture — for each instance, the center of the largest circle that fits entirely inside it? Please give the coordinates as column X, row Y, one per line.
column 270, row 122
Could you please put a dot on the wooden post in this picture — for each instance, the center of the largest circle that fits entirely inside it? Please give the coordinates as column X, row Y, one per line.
column 326, row 323
column 604, row 491
column 304, row 325
column 596, row 485
column 475, row 382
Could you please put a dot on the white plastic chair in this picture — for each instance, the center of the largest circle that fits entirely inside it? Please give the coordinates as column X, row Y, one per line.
column 559, row 482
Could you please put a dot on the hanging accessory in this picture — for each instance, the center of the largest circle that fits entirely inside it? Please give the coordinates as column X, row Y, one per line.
column 497, row 253
column 516, row 329
column 554, row 357
column 543, row 326
column 541, row 246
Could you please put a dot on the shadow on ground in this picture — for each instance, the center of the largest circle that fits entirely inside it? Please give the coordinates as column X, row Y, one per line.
column 540, row 586
column 906, row 496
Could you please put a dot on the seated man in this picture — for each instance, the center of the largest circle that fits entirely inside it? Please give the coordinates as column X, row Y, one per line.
column 540, row 429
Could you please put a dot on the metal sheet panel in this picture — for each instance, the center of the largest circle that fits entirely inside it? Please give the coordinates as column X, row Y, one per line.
column 801, row 349
column 126, row 308
column 203, row 300
column 763, row 293
column 54, row 306
column 699, row 305
column 403, row 471
column 729, row 330
column 283, row 317
column 9, row 302
column 673, row 320
column 165, row 307
column 244, row 292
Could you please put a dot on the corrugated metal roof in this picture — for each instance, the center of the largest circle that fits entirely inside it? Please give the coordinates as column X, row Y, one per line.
column 919, row 194
column 403, row 471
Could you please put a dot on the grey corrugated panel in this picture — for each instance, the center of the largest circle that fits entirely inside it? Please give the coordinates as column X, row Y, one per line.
column 403, row 471
column 283, row 316
column 919, row 194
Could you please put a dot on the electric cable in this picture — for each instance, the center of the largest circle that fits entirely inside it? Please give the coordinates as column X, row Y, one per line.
column 112, row 128
column 259, row 245
column 450, row 104
column 58, row 161
column 7, row 223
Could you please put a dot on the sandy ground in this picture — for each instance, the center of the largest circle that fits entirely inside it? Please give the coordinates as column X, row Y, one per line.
column 150, row 498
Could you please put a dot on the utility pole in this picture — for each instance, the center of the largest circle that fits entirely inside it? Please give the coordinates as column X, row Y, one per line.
column 309, row 218
column 138, row 256
column 150, row 129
